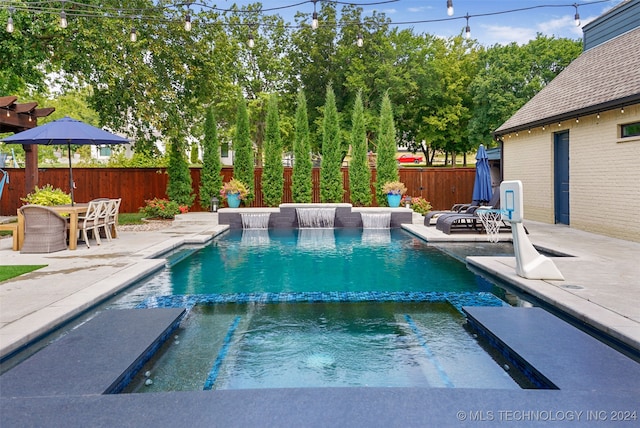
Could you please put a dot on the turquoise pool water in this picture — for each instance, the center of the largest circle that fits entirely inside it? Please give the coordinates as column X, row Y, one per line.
column 364, row 344
column 318, row 308
column 312, row 260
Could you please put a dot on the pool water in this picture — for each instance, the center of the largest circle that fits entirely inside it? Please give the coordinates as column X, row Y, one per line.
column 311, row 260
column 318, row 308
column 363, row 344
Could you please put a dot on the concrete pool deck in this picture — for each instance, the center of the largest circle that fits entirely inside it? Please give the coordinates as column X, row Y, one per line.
column 600, row 288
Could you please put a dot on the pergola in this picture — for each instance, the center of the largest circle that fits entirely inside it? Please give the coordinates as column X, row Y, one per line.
column 20, row 117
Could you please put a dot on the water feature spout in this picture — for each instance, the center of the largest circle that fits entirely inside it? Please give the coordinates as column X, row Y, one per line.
column 255, row 220
column 376, row 220
column 316, row 217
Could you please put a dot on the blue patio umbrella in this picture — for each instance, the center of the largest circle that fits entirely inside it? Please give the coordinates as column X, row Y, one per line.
column 66, row 131
column 482, row 191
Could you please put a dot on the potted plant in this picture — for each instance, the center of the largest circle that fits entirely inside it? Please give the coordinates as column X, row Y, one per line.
column 394, row 191
column 235, row 191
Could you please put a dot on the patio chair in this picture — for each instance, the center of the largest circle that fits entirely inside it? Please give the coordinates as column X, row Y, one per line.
column 93, row 220
column 467, row 220
column 455, row 209
column 45, row 231
column 113, row 210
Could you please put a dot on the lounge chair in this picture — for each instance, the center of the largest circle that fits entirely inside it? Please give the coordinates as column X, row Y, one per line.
column 467, row 220
column 455, row 209
column 45, row 231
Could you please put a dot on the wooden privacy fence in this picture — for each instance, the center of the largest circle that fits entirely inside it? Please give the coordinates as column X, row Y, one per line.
column 443, row 187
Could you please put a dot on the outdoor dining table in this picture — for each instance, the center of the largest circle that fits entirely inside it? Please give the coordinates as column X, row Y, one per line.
column 73, row 210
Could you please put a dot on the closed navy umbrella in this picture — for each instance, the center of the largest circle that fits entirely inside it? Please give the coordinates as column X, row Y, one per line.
column 482, row 191
column 66, row 131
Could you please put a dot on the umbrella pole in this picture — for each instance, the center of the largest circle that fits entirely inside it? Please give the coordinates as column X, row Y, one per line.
column 70, row 174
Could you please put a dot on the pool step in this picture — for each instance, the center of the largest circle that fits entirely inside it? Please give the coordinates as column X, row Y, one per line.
column 560, row 354
column 96, row 358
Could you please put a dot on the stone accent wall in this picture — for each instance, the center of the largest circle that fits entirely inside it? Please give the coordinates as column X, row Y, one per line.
column 286, row 217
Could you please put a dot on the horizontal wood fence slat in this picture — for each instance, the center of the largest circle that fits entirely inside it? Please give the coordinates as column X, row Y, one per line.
column 443, row 187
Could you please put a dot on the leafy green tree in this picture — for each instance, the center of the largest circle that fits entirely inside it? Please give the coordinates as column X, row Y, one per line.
column 387, row 167
column 272, row 175
column 511, row 75
column 193, row 154
column 243, row 169
column 302, row 180
column 331, row 186
column 359, row 171
column 210, row 178
column 179, row 184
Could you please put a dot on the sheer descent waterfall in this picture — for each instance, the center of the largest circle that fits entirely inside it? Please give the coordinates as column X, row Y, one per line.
column 377, row 220
column 255, row 220
column 316, row 217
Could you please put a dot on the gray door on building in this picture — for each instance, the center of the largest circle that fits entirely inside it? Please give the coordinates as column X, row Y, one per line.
column 561, row 176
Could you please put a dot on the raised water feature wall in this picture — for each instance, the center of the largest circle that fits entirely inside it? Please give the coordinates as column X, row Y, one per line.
column 286, row 217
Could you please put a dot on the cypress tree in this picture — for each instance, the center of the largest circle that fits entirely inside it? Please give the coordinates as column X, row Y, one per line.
column 302, row 180
column 331, row 187
column 179, row 184
column 272, row 175
column 243, row 151
column 359, row 171
column 210, row 178
column 387, row 166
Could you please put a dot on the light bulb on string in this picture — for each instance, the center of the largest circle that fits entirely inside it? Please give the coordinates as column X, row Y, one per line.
column 10, row 26
column 314, row 19
column 577, row 16
column 450, row 7
column 251, row 43
column 467, row 30
column 360, row 41
column 187, row 22
column 133, row 36
column 63, row 19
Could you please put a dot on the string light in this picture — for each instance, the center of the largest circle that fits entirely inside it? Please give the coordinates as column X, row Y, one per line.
column 133, row 36
column 314, row 20
column 577, row 120
column 467, row 30
column 360, row 41
column 10, row 26
column 622, row 110
column 251, row 43
column 598, row 115
column 86, row 10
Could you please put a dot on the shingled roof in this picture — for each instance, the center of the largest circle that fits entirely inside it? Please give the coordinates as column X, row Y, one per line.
column 602, row 78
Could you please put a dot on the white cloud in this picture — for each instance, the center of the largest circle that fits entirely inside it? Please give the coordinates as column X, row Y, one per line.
column 503, row 34
column 419, row 9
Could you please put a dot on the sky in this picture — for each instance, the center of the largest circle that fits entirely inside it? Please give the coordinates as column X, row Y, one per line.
column 504, row 28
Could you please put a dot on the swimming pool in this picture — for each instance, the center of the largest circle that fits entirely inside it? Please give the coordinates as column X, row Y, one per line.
column 310, row 260
column 318, row 308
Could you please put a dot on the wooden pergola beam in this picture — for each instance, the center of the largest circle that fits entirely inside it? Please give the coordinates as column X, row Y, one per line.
column 20, row 117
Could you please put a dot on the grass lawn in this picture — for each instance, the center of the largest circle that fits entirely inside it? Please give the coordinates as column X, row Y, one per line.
column 130, row 218
column 8, row 272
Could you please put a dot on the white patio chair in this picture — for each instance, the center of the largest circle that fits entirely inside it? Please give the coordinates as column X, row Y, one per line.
column 112, row 217
column 92, row 220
